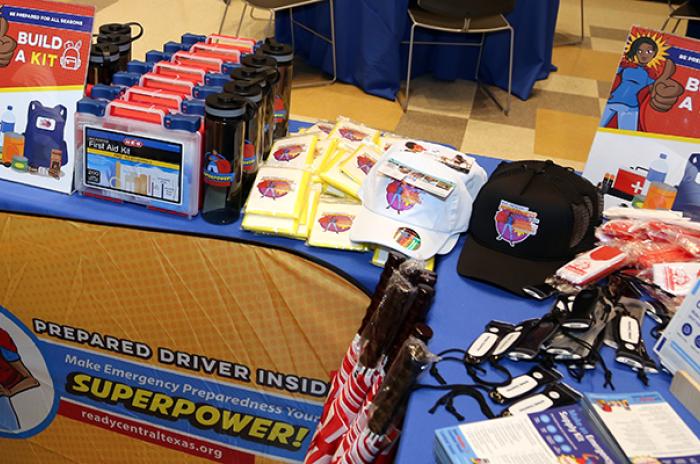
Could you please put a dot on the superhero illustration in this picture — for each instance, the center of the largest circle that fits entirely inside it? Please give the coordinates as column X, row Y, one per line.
column 401, row 196
column 274, row 188
column 217, row 170
column 7, row 43
column 15, row 378
column 337, row 223
column 515, row 223
column 365, row 163
column 643, row 79
column 288, row 152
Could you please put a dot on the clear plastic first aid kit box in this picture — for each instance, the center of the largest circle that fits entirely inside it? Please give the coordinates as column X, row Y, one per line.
column 138, row 154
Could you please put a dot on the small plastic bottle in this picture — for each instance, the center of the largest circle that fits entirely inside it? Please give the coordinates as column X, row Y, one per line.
column 7, row 122
column 658, row 169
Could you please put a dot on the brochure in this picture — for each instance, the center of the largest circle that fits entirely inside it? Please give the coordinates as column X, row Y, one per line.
column 44, row 55
column 679, row 345
column 646, row 427
column 567, row 435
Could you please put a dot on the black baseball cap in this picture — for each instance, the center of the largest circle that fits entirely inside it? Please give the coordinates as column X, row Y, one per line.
column 528, row 220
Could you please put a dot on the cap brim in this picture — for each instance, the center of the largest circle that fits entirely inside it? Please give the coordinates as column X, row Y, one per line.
column 369, row 227
column 505, row 271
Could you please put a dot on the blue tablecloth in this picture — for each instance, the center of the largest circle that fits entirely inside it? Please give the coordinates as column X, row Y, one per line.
column 460, row 310
column 369, row 35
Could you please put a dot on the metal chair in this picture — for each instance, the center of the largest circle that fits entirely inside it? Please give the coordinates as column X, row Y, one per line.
column 273, row 6
column 687, row 10
column 466, row 17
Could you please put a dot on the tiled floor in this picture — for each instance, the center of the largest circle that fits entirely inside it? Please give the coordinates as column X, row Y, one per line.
column 557, row 122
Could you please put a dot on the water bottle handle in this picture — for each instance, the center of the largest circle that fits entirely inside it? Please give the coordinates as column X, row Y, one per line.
column 137, row 36
column 138, row 111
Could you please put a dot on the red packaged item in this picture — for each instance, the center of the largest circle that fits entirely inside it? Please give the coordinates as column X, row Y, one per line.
column 173, row 70
column 194, row 60
column 222, row 52
column 649, row 253
column 593, row 265
column 167, row 101
column 245, row 45
column 178, row 86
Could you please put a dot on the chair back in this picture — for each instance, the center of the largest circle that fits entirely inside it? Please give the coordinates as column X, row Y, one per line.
column 467, row 8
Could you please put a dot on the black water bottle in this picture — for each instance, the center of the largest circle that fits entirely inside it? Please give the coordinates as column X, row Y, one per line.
column 252, row 151
column 123, row 43
column 283, row 54
column 222, row 166
column 104, row 62
column 268, row 67
column 259, row 77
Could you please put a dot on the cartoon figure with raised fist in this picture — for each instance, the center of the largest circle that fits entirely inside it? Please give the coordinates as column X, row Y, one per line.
column 15, row 378
column 637, row 81
column 7, row 43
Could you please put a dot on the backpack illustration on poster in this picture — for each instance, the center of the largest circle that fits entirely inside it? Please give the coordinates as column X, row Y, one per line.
column 646, row 152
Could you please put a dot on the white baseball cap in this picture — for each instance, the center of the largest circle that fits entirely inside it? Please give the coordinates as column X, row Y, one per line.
column 410, row 220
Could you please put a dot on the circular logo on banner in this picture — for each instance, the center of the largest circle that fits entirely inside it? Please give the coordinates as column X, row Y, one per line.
column 407, row 238
column 28, row 400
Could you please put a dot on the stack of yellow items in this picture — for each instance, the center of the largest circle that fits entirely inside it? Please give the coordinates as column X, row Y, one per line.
column 308, row 187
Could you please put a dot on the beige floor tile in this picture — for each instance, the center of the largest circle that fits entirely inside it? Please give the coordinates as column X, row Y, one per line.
column 607, row 45
column 498, row 140
column 602, row 102
column 604, row 88
column 564, row 135
column 569, row 84
column 346, row 100
column 590, row 64
column 429, row 126
column 447, row 98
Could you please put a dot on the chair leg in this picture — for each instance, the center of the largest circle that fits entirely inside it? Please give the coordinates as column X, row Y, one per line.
column 271, row 21
column 223, row 18
column 335, row 56
column 408, row 71
column 668, row 18
column 582, row 26
column 678, row 22
column 240, row 22
column 291, row 26
column 510, row 69
column 478, row 59
column 333, row 52
column 583, row 33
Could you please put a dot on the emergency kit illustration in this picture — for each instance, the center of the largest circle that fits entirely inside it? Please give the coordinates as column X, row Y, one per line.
column 44, row 134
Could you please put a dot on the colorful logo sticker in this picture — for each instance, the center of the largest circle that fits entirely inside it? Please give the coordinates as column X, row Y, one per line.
column 280, row 110
column 365, row 163
column 274, row 188
column 217, row 170
column 407, row 238
column 353, row 135
column 337, row 223
column 250, row 162
column 288, row 152
column 401, row 196
column 515, row 223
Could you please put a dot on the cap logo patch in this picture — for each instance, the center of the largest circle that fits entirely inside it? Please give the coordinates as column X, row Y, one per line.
column 337, row 223
column 401, row 196
column 515, row 223
column 407, row 238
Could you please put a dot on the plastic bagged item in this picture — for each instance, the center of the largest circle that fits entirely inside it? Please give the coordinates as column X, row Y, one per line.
column 293, row 152
column 157, row 159
column 592, row 265
column 332, row 224
column 353, row 132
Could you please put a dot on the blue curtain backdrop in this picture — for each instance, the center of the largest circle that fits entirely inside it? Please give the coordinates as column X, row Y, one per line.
column 371, row 55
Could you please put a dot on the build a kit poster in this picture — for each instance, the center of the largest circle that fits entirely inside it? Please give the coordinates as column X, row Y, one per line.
column 121, row 345
column 44, row 55
column 646, row 152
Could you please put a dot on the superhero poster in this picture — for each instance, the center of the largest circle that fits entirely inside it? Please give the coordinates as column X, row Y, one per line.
column 44, row 55
column 646, row 152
